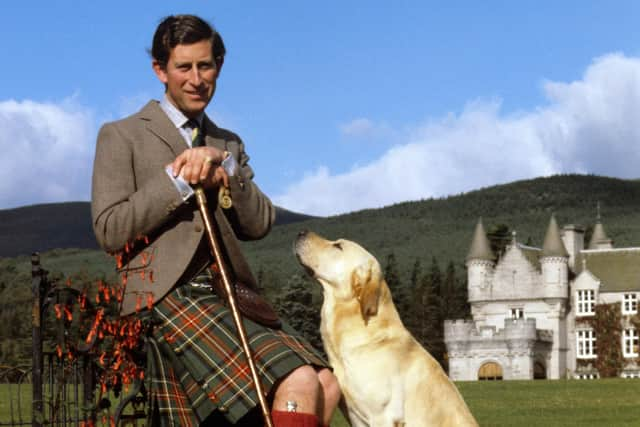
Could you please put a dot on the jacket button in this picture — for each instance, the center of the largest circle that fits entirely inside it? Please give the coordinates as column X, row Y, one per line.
column 198, row 228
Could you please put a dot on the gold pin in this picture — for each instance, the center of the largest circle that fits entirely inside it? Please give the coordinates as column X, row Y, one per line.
column 224, row 198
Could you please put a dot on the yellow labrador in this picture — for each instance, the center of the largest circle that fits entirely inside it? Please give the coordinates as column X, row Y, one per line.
column 386, row 376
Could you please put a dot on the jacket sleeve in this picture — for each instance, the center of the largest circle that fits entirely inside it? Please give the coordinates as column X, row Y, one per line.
column 122, row 208
column 252, row 214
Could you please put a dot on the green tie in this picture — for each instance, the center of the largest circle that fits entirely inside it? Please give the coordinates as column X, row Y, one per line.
column 197, row 139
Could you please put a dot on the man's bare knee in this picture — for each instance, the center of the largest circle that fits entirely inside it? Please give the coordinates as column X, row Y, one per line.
column 302, row 378
column 330, row 387
column 300, row 388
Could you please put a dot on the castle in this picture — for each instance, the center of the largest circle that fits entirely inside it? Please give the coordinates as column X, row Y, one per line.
column 527, row 306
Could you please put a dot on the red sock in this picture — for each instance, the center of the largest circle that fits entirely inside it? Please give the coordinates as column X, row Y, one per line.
column 293, row 419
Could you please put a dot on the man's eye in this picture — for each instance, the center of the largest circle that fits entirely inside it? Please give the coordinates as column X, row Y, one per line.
column 337, row 245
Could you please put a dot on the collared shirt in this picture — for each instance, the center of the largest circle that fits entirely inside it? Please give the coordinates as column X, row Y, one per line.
column 181, row 123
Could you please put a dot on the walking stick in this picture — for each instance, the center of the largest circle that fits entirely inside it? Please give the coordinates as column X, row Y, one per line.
column 217, row 254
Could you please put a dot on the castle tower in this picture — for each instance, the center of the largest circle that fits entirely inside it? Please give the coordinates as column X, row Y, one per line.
column 480, row 262
column 599, row 239
column 554, row 259
column 554, row 263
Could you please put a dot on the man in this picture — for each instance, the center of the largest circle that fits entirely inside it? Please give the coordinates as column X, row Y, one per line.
column 143, row 208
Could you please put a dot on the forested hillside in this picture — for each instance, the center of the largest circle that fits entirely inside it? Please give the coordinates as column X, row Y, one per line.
column 64, row 225
column 421, row 245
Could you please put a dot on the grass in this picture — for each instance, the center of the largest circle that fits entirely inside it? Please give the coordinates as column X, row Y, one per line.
column 610, row 402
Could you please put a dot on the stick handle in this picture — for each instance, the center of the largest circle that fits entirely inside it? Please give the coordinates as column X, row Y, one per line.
column 217, row 254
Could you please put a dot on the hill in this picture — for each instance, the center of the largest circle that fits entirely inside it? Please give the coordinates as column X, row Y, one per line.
column 442, row 228
column 49, row 226
column 418, row 243
column 418, row 230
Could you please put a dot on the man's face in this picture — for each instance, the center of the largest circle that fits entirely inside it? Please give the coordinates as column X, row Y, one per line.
column 190, row 76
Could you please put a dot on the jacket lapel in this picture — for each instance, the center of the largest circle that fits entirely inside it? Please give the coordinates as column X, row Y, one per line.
column 159, row 125
column 211, row 132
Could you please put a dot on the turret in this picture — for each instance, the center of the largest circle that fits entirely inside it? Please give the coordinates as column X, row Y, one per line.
column 480, row 262
column 599, row 239
column 554, row 261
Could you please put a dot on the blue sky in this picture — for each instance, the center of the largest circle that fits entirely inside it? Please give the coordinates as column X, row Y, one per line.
column 342, row 105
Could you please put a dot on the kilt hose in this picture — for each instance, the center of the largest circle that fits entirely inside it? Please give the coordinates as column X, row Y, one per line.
column 196, row 364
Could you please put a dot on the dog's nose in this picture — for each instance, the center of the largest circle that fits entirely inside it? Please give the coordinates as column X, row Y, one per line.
column 303, row 233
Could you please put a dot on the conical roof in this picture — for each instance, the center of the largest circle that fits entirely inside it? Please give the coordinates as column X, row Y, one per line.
column 480, row 247
column 598, row 236
column 552, row 245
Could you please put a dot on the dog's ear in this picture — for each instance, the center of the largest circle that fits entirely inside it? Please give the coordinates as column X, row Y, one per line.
column 366, row 287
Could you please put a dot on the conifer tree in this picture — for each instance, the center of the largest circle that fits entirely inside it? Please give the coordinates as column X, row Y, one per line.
column 449, row 300
column 398, row 290
column 414, row 319
column 297, row 307
column 435, row 277
column 434, row 307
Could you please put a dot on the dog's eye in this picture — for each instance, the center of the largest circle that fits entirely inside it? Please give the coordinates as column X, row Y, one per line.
column 337, row 245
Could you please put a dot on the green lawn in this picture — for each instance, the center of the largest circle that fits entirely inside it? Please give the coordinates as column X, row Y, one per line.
column 611, row 402
column 614, row 402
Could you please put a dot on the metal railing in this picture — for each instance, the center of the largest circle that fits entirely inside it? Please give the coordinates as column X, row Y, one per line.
column 58, row 390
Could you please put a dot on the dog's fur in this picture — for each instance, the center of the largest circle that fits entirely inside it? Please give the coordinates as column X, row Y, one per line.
column 387, row 378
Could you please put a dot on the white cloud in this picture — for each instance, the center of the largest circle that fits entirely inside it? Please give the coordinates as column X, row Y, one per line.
column 47, row 152
column 587, row 126
column 369, row 131
column 357, row 127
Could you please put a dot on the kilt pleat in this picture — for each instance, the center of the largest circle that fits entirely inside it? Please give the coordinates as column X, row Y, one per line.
column 197, row 364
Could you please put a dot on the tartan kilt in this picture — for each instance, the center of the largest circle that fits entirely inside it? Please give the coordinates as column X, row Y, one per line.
column 196, row 364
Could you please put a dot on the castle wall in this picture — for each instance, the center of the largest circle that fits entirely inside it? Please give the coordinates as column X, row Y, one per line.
column 514, row 277
column 515, row 347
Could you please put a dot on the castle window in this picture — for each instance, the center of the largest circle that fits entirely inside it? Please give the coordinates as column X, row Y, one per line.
column 630, row 342
column 586, row 302
column 586, row 340
column 517, row 313
column 588, row 376
column 630, row 304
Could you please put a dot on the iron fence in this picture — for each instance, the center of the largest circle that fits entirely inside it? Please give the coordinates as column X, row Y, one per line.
column 59, row 391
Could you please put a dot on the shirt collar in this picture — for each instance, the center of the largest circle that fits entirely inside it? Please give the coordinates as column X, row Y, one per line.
column 176, row 116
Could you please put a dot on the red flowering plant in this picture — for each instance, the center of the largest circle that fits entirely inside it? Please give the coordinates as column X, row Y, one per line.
column 89, row 316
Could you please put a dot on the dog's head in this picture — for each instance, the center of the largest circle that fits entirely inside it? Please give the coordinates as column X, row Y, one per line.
column 343, row 268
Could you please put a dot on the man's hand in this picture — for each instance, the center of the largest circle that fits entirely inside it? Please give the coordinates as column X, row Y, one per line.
column 201, row 165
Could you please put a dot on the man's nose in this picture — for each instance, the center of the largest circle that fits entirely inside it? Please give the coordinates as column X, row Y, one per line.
column 195, row 77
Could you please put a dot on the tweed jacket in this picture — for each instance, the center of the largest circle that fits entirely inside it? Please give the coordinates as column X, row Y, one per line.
column 139, row 214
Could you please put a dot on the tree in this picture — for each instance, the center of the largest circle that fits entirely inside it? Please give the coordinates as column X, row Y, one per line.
column 499, row 237
column 297, row 307
column 435, row 277
column 415, row 311
column 397, row 288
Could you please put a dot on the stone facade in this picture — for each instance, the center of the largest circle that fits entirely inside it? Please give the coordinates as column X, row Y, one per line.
column 527, row 306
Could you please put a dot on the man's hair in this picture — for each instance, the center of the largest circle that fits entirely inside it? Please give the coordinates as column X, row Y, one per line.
column 184, row 29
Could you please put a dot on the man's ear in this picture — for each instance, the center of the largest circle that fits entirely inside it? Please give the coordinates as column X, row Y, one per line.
column 160, row 70
column 219, row 62
column 366, row 287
